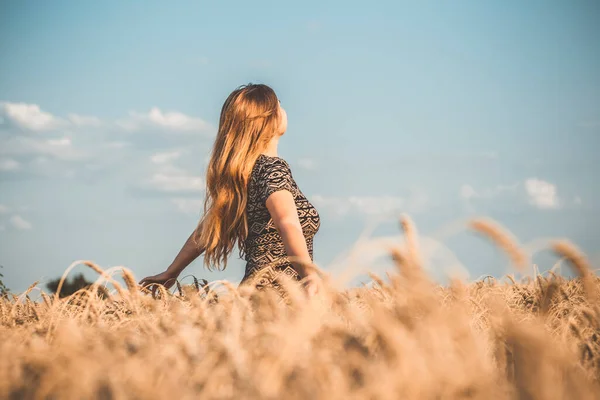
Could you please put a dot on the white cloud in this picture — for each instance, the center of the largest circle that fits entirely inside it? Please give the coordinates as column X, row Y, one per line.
column 64, row 141
column 165, row 157
column 307, row 163
column 101, row 146
column 373, row 254
column 468, row 192
column 577, row 200
column 372, row 206
column 60, row 148
column 20, row 223
column 32, row 117
column 369, row 205
column 176, row 182
column 188, row 206
column 376, row 205
column 542, row 194
column 8, row 164
column 84, row 120
column 170, row 120
column 29, row 116
column 539, row 193
column 173, row 179
column 4, row 209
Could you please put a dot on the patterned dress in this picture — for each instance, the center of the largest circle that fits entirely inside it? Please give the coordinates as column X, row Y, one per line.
column 266, row 257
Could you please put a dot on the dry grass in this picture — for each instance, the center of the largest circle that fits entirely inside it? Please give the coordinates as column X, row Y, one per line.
column 406, row 338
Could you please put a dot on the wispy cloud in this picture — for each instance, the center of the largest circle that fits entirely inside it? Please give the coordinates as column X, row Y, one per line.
column 176, row 182
column 84, row 120
column 373, row 255
column 536, row 192
column 4, row 209
column 170, row 120
column 61, row 148
column 468, row 192
column 361, row 204
column 20, row 223
column 8, row 164
column 165, row 157
column 103, row 145
column 370, row 205
column 165, row 177
column 187, row 205
column 542, row 194
column 32, row 117
column 29, row 116
column 168, row 178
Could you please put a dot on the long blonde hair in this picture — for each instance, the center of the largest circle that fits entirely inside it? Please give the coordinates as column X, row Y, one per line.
column 249, row 120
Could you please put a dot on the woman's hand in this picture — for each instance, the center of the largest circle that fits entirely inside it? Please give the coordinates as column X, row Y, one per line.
column 167, row 279
column 188, row 253
column 311, row 283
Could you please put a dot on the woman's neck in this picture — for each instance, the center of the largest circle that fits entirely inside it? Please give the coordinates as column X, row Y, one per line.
column 271, row 149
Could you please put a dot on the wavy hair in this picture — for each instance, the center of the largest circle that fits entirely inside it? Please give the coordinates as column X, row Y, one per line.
column 249, row 120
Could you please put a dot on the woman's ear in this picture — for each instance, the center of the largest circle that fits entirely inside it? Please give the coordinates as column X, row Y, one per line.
column 282, row 117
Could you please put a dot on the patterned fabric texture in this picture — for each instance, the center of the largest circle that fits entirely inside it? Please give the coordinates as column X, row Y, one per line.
column 265, row 256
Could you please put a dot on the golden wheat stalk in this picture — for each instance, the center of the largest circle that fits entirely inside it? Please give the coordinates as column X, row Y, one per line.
column 22, row 296
column 503, row 239
column 579, row 262
column 93, row 266
column 130, row 282
column 412, row 242
column 47, row 300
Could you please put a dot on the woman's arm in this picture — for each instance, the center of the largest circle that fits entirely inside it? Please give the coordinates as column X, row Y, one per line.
column 283, row 211
column 188, row 253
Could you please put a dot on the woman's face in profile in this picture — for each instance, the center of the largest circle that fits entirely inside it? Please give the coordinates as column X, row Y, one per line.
column 282, row 120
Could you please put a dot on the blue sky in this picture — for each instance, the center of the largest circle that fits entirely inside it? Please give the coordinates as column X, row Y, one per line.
column 440, row 110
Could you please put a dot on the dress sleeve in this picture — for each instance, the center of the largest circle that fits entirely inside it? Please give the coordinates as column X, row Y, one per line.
column 275, row 176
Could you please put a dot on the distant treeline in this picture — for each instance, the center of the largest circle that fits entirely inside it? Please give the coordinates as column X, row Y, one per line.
column 73, row 285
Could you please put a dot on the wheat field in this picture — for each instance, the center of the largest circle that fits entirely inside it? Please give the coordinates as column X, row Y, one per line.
column 404, row 337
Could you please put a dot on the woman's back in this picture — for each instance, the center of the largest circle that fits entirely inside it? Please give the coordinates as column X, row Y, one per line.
column 265, row 251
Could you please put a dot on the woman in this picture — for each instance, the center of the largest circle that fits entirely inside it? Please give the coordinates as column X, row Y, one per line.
column 252, row 199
